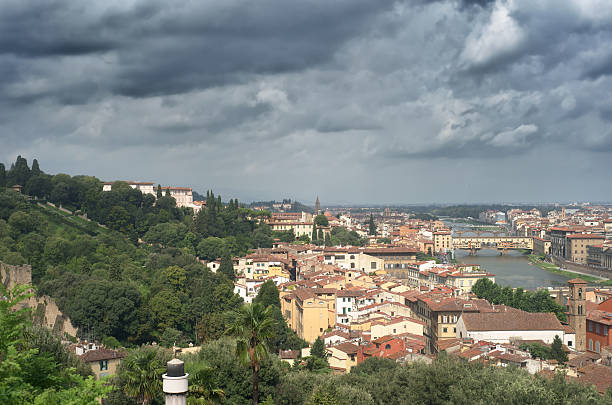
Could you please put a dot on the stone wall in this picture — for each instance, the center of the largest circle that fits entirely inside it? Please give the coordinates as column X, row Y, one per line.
column 583, row 268
column 45, row 310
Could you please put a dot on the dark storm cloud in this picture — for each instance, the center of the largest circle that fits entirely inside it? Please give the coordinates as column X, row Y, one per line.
column 156, row 48
column 298, row 94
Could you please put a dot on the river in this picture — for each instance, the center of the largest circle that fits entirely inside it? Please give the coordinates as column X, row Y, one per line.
column 512, row 269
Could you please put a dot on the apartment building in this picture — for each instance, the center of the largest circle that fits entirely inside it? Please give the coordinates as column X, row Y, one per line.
column 576, row 248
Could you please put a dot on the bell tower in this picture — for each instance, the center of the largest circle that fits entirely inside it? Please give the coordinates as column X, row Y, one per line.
column 317, row 206
column 577, row 311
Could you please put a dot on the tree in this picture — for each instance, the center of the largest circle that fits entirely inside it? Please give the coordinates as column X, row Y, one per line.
column 227, row 267
column 372, row 225
column 201, row 389
column 2, row 175
column 159, row 191
column 253, row 326
column 318, row 349
column 141, row 373
column 168, row 192
column 557, row 351
column 321, row 220
column 35, row 168
column 315, row 235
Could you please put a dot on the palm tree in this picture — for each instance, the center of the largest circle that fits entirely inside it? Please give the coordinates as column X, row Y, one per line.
column 202, row 390
column 142, row 370
column 253, row 325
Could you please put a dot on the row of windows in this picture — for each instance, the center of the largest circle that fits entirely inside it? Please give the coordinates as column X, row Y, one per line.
column 597, row 345
column 598, row 330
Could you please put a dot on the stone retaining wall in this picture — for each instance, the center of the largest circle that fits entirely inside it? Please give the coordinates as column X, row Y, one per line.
column 571, row 266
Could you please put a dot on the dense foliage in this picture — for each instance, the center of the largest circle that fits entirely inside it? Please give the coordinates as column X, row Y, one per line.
column 35, row 367
column 538, row 301
column 112, row 286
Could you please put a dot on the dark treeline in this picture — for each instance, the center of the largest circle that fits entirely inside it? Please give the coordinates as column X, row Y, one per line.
column 538, row 301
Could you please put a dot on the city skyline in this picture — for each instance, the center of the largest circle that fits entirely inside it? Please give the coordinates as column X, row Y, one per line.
column 360, row 102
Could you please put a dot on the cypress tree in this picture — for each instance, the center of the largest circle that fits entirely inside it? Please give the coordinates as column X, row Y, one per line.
column 557, row 351
column 168, row 192
column 159, row 191
column 314, row 233
column 227, row 267
column 35, row 168
column 2, row 175
column 318, row 349
column 372, row 225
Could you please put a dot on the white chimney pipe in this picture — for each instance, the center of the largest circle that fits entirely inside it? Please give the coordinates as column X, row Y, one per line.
column 175, row 383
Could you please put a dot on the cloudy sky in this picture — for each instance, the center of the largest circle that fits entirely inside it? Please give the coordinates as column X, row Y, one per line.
column 354, row 100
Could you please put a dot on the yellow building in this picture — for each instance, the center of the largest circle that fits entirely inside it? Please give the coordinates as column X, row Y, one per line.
column 309, row 312
column 343, row 357
column 384, row 327
column 576, row 248
column 103, row 362
column 442, row 241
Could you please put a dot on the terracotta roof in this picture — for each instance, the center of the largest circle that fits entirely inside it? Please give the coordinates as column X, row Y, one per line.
column 596, row 374
column 576, row 281
column 584, row 236
column 511, row 321
column 347, row 347
column 101, row 354
column 599, row 316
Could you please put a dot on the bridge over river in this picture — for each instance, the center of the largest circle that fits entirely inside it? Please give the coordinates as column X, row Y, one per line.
column 501, row 243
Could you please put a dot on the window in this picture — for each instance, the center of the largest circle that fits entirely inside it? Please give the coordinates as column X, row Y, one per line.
column 103, row 365
column 590, row 344
column 454, row 330
column 590, row 326
column 445, row 330
column 597, row 328
column 352, row 265
column 579, row 309
column 373, row 265
column 605, row 330
column 352, row 256
column 569, row 343
column 597, row 347
column 387, row 346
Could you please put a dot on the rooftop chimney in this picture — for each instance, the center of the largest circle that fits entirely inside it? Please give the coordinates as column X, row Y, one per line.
column 175, row 383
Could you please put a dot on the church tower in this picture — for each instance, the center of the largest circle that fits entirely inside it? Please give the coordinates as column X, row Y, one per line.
column 577, row 311
column 317, row 206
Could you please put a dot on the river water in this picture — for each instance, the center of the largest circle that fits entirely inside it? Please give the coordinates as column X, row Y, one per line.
column 512, row 269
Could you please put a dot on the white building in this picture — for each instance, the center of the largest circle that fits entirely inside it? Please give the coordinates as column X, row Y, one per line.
column 142, row 186
column 182, row 195
column 501, row 327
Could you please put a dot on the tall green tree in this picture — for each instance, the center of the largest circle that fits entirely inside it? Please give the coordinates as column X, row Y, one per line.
column 557, row 351
column 159, row 191
column 227, row 267
column 372, row 225
column 318, row 349
column 35, row 168
column 2, row 175
column 253, row 326
column 321, row 220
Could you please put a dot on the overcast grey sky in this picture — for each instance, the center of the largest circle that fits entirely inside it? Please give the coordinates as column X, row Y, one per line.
column 356, row 101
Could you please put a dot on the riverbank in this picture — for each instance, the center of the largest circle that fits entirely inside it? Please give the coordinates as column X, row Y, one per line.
column 537, row 261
